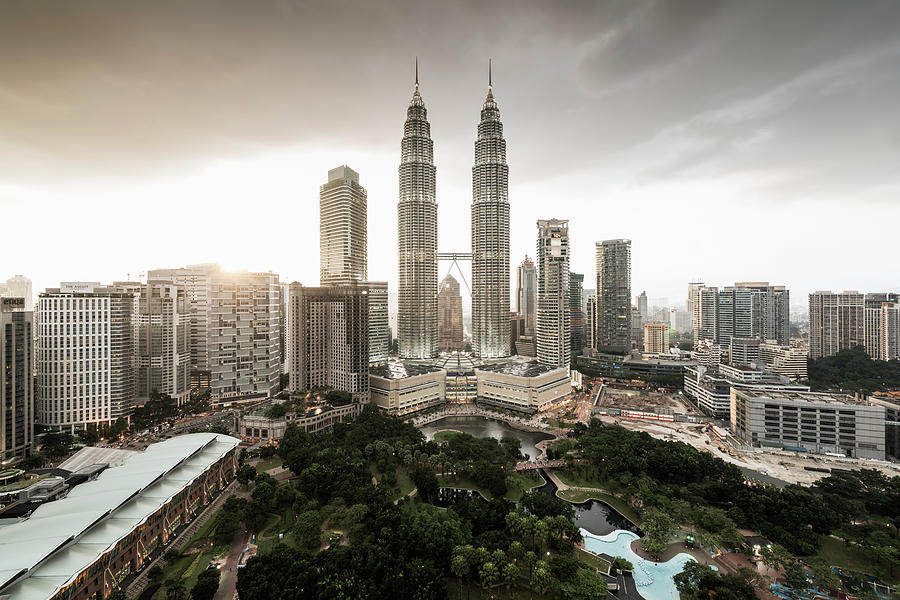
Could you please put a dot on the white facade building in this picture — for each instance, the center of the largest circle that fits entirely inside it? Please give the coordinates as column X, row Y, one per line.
column 342, row 229
column 161, row 340
column 243, row 336
column 84, row 356
column 553, row 318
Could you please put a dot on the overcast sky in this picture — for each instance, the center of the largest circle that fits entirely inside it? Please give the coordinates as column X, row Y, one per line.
column 730, row 141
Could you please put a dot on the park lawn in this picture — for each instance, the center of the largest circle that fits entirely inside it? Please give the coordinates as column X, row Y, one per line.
column 267, row 464
column 848, row 556
column 578, row 496
column 445, row 435
column 404, row 484
column 519, row 482
column 592, row 561
column 559, row 424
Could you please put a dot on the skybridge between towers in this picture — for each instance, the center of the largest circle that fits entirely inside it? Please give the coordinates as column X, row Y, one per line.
column 455, row 257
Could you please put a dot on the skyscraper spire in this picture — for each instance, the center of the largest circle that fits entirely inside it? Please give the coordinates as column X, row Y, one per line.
column 490, row 235
column 490, row 94
column 417, row 235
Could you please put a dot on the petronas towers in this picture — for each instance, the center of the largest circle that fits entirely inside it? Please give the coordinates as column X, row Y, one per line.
column 417, row 237
column 490, row 236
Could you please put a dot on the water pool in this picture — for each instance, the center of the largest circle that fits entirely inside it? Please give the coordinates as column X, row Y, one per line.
column 654, row 580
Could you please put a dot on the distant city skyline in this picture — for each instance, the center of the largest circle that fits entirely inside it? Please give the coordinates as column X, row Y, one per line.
column 135, row 130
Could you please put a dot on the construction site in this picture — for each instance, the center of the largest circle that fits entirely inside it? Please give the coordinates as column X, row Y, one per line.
column 634, row 397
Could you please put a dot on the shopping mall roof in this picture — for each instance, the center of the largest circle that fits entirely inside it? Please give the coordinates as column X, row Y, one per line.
column 397, row 369
column 44, row 552
column 518, row 367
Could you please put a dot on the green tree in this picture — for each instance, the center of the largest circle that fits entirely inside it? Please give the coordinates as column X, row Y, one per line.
column 245, row 474
column 308, row 529
column 510, row 574
column 459, row 566
column 207, row 585
column 586, row 585
column 175, row 589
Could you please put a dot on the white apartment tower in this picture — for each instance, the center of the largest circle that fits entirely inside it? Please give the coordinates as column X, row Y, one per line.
column 490, row 236
column 836, row 322
column 417, row 285
column 613, row 296
column 704, row 304
column 342, row 228
column 84, row 356
column 196, row 280
column 161, row 339
column 244, row 334
column 553, row 319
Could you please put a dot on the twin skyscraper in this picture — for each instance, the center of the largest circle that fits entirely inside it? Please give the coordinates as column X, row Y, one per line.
column 417, row 322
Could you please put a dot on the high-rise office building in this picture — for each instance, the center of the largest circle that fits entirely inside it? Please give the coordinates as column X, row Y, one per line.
column 161, row 340
column 734, row 317
column 640, row 301
column 379, row 330
column 18, row 286
column 490, row 236
column 329, row 339
column 16, row 379
column 656, row 337
column 836, row 322
column 342, row 228
column 770, row 313
column 747, row 310
column 84, row 356
column 526, row 293
column 417, row 236
column 576, row 315
column 614, row 296
column 196, row 280
column 692, row 290
column 450, row 321
column 704, row 318
column 244, row 337
column 284, row 314
column 590, row 319
column 553, row 314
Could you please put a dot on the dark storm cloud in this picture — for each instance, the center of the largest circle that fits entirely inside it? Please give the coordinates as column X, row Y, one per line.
column 691, row 87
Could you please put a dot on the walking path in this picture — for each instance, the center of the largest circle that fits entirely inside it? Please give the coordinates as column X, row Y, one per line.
column 140, row 582
column 228, row 585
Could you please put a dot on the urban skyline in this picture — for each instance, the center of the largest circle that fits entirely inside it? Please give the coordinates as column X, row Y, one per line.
column 281, row 154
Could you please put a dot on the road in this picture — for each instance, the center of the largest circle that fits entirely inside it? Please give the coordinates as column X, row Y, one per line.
column 228, row 583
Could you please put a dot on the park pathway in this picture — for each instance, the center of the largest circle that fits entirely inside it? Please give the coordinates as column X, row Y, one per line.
column 228, row 585
column 140, row 582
